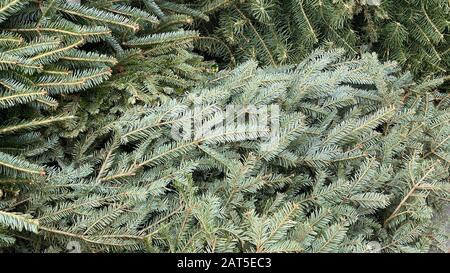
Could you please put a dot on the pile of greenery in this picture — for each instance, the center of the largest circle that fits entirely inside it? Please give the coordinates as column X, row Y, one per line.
column 413, row 33
column 90, row 94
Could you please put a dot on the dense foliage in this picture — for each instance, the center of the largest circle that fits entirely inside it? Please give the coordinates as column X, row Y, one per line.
column 90, row 95
column 55, row 59
column 414, row 33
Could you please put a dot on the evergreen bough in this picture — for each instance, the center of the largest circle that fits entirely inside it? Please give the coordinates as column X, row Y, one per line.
column 357, row 161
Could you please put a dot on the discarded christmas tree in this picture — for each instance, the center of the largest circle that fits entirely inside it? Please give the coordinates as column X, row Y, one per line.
column 53, row 54
column 414, row 33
